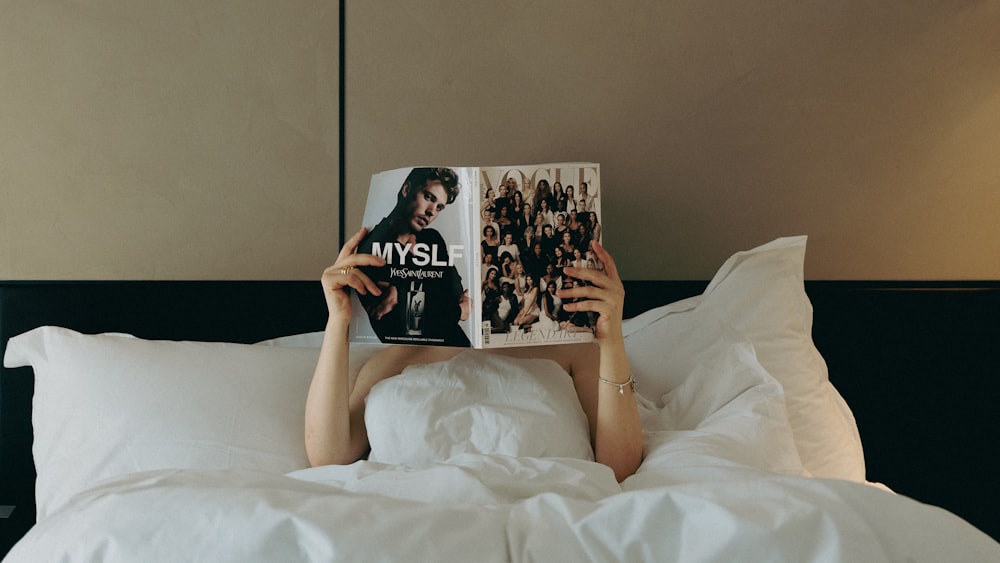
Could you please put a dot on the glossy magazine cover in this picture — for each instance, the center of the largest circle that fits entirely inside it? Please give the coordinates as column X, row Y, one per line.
column 474, row 255
column 535, row 221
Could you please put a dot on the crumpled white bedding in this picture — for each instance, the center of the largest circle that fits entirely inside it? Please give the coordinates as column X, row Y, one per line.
column 720, row 481
column 236, row 515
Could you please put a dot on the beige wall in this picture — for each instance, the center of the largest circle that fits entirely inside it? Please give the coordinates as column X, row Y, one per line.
column 872, row 127
column 168, row 140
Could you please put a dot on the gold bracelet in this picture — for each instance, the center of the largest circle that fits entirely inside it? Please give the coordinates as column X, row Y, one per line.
column 620, row 386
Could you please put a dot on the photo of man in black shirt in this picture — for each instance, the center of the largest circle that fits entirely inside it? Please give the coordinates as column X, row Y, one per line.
column 423, row 299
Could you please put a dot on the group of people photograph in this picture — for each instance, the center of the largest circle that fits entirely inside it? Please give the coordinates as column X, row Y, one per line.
column 530, row 233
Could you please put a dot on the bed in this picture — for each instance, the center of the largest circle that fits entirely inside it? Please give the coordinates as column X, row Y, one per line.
column 163, row 420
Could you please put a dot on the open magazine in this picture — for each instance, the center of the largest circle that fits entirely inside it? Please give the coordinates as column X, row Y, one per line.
column 474, row 255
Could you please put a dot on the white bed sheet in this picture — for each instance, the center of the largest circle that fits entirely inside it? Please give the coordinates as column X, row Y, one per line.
column 720, row 481
column 238, row 515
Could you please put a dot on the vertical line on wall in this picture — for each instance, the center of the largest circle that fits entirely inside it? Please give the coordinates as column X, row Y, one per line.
column 341, row 198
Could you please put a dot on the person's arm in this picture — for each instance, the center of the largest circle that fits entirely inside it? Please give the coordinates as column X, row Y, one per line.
column 615, row 426
column 334, row 428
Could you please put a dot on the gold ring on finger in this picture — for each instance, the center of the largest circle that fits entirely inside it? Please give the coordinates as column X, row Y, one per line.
column 347, row 270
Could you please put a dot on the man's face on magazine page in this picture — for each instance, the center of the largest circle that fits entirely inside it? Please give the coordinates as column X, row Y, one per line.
column 427, row 203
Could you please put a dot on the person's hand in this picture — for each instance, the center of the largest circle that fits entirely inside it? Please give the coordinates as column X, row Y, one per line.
column 345, row 273
column 605, row 296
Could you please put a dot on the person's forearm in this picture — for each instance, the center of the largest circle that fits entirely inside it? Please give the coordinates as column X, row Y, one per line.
column 327, row 424
column 618, row 438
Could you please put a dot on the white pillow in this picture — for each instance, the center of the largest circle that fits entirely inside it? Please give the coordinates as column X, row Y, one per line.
column 301, row 340
column 726, row 416
column 107, row 405
column 476, row 403
column 361, row 352
column 761, row 294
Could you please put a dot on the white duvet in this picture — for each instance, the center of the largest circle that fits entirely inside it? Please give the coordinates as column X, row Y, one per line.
column 232, row 515
column 720, row 481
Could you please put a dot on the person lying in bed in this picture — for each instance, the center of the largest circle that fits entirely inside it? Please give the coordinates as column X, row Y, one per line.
column 335, row 431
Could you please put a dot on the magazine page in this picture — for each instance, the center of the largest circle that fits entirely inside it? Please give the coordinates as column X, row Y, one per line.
column 536, row 220
column 421, row 221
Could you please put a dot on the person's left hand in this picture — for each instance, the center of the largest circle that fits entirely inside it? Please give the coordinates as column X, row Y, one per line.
column 605, row 296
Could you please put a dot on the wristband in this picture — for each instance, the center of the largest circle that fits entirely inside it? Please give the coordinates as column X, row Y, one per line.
column 621, row 386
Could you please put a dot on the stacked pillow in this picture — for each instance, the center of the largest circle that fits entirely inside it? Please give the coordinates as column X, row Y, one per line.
column 760, row 295
column 108, row 405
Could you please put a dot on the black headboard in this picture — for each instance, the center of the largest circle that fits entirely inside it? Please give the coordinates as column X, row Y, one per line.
column 916, row 362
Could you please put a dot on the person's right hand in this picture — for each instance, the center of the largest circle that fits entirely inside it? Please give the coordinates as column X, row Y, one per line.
column 345, row 273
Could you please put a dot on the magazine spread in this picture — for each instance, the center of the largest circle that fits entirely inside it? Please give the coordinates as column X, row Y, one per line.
column 474, row 255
